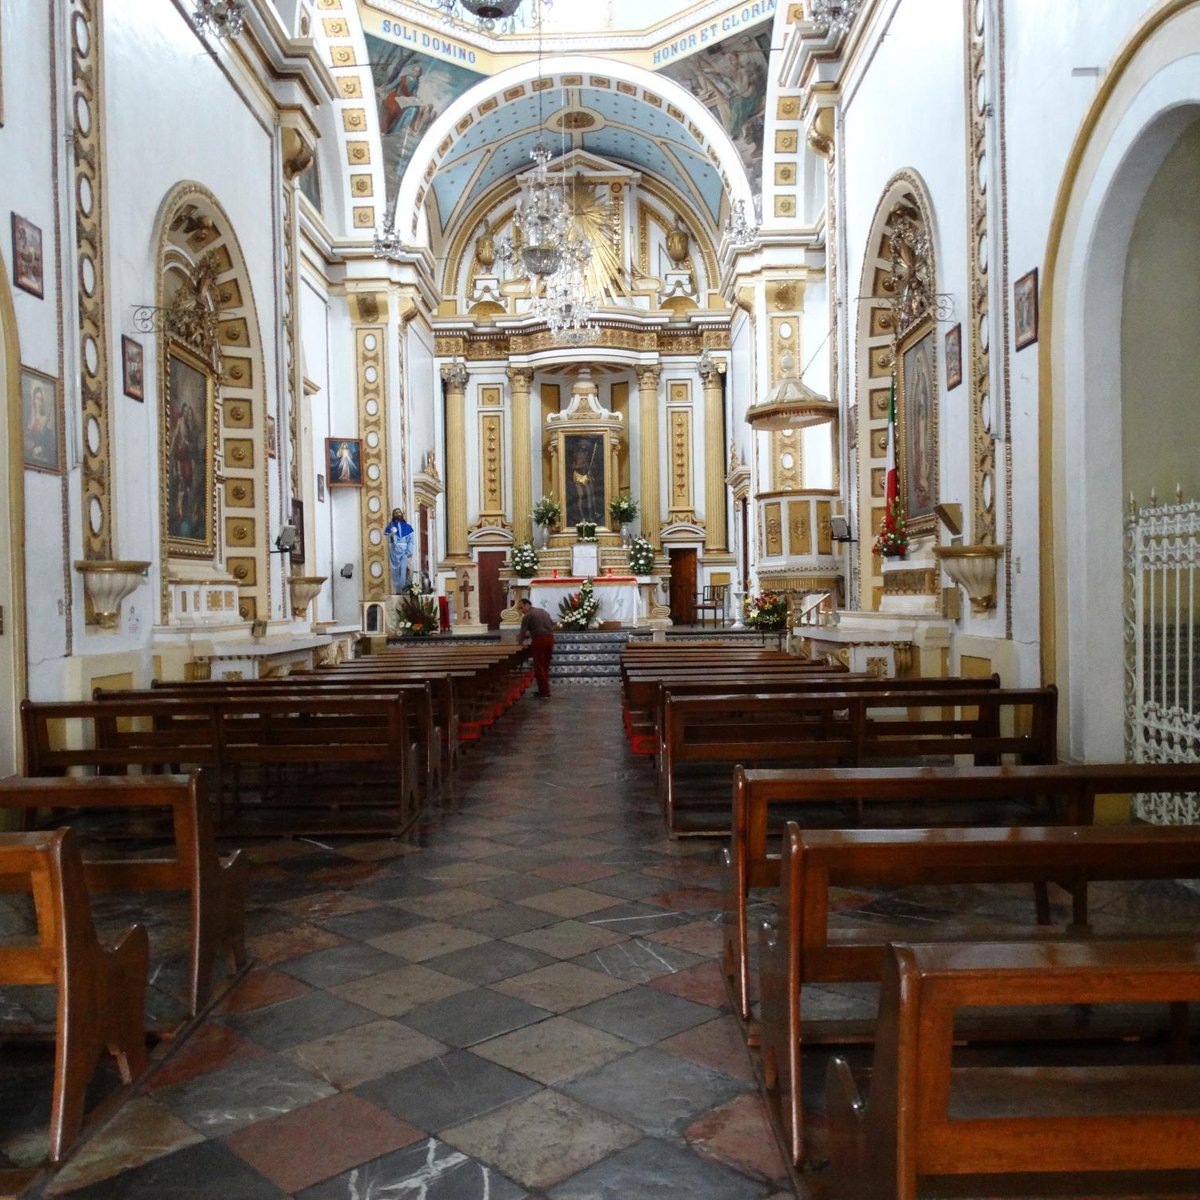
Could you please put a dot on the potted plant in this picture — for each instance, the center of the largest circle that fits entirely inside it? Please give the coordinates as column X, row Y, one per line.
column 547, row 513
column 641, row 557
column 767, row 611
column 579, row 609
column 585, row 531
column 524, row 560
column 892, row 541
column 418, row 613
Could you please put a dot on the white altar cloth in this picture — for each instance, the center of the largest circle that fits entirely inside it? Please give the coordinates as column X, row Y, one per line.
column 618, row 596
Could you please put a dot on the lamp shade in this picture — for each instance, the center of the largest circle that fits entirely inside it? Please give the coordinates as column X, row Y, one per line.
column 793, row 405
column 491, row 10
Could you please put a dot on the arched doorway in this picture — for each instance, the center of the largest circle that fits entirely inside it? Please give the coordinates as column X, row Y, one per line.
column 12, row 539
column 1141, row 117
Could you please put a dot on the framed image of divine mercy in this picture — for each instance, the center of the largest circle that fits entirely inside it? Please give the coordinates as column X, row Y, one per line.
column 187, row 493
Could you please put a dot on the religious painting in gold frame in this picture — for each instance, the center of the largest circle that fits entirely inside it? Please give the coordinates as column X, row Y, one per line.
column 585, row 492
column 917, row 418
column 187, row 495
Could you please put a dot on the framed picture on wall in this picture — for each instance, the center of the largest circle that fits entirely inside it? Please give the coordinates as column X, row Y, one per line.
column 272, row 438
column 188, row 414
column 320, row 489
column 297, row 551
column 916, row 407
column 40, row 449
column 953, row 357
column 27, row 256
column 343, row 462
column 133, row 378
column 1025, row 310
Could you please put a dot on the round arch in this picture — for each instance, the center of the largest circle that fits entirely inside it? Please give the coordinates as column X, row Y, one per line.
column 197, row 248
column 490, row 96
column 1150, row 96
column 875, row 342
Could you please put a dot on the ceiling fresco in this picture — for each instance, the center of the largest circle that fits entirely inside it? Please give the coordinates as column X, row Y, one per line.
column 616, row 121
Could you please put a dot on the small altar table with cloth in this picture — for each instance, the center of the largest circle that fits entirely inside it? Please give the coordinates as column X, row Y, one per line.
column 618, row 596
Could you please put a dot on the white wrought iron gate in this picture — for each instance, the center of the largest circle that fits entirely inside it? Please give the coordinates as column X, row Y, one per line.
column 1162, row 675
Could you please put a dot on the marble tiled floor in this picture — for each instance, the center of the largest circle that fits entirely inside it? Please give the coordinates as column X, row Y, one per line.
column 522, row 1001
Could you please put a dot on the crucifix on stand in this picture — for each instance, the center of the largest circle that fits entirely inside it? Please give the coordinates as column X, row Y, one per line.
column 465, row 589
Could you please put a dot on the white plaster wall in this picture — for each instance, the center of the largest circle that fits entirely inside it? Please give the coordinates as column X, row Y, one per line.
column 159, row 133
column 1160, row 349
column 314, row 333
column 424, row 391
column 28, row 190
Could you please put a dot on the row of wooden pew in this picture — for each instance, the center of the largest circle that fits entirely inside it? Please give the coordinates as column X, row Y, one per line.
column 380, row 732
column 1014, row 817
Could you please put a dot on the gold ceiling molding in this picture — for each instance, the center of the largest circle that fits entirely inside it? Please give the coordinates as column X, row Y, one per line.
column 498, row 346
column 87, row 142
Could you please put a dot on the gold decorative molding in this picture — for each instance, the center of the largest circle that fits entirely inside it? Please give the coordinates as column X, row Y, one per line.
column 979, row 242
column 915, row 581
column 454, row 380
column 371, row 384
column 773, row 529
column 87, row 142
column 799, row 528
column 491, row 470
column 648, row 467
column 681, row 508
column 520, row 379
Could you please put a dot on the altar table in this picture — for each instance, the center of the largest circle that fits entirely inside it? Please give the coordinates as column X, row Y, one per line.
column 618, row 596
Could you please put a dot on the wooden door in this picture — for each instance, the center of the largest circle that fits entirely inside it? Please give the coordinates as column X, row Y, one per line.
column 683, row 586
column 492, row 592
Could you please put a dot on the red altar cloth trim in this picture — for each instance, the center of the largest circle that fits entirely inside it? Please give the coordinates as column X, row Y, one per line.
column 597, row 579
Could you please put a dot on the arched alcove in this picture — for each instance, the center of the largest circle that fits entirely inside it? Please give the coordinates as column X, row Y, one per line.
column 1150, row 99
column 214, row 438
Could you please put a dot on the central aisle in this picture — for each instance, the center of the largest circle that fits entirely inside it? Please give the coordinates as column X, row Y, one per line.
column 527, row 1004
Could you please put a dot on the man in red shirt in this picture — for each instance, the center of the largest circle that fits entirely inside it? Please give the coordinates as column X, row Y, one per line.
column 538, row 627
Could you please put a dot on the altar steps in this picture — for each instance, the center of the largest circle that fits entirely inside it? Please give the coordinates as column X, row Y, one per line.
column 587, row 658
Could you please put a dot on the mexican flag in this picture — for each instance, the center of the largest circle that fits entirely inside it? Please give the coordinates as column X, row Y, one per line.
column 892, row 487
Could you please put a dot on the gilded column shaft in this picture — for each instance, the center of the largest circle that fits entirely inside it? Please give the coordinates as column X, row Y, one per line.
column 648, row 452
column 717, row 535
column 520, row 379
column 455, row 380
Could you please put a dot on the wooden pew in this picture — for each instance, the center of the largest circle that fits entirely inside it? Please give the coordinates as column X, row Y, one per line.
column 800, row 948
column 844, row 728
column 101, row 991
column 926, row 1118
column 217, row 887
column 245, row 740
column 1069, row 789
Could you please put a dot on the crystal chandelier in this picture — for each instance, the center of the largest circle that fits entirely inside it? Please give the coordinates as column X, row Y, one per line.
column 491, row 16
column 541, row 219
column 740, row 229
column 834, row 16
column 221, row 18
column 564, row 303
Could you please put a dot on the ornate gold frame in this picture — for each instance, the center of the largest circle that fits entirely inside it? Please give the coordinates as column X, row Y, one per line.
column 925, row 522
column 176, row 546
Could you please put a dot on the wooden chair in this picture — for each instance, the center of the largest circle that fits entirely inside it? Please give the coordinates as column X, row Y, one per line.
column 712, row 600
column 101, row 991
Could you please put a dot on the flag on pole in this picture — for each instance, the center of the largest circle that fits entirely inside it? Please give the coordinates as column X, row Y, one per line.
column 892, row 489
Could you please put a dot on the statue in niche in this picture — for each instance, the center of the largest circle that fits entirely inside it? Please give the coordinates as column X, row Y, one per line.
column 585, row 478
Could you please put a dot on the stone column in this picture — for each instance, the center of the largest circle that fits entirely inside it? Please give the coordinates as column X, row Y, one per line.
column 648, row 409
column 519, row 380
column 454, row 379
column 712, row 376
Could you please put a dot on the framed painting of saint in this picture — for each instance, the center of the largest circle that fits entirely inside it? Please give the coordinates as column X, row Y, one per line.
column 343, row 462
column 39, row 422
column 583, row 465
column 917, row 415
column 187, row 451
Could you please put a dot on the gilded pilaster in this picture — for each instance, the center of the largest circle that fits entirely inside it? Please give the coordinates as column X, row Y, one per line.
column 717, row 536
column 370, row 340
column 454, row 380
column 519, row 381
column 648, row 378
column 87, row 102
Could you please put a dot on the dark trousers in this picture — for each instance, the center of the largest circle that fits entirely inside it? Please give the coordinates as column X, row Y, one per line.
column 542, row 646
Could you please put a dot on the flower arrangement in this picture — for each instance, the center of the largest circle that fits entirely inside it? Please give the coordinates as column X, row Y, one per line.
column 579, row 609
column 892, row 541
column 585, row 531
column 623, row 509
column 524, row 560
column 641, row 556
column 418, row 614
column 547, row 512
column 766, row 611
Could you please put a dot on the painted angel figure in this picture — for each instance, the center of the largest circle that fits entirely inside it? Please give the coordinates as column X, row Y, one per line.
column 399, row 534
